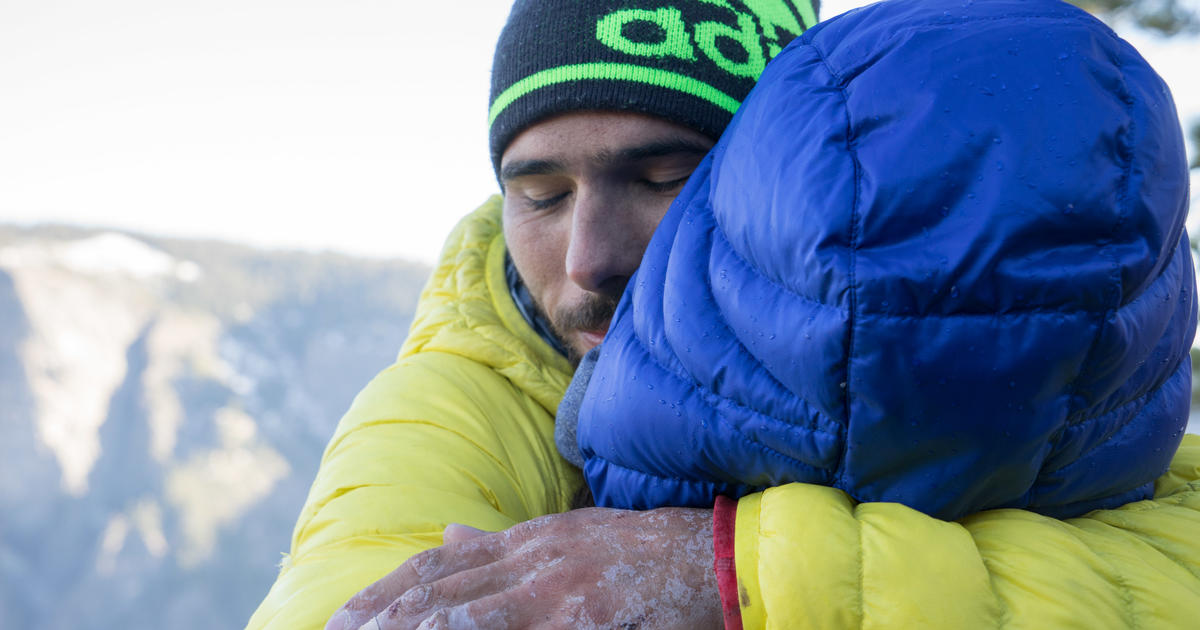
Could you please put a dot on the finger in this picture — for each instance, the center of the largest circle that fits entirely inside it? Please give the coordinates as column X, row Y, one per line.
column 501, row 611
column 354, row 613
column 456, row 532
column 455, row 590
column 425, row 567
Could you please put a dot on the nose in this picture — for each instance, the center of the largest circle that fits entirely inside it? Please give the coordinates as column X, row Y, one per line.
column 605, row 246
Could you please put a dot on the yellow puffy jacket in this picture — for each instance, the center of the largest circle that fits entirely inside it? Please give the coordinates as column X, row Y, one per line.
column 460, row 429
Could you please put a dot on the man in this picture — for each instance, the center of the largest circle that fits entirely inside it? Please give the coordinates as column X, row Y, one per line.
column 600, row 110
column 590, row 152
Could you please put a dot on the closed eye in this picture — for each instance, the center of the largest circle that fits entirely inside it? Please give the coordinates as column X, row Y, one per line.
column 546, row 204
column 666, row 186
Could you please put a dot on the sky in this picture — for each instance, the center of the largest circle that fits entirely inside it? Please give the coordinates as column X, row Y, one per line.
column 357, row 126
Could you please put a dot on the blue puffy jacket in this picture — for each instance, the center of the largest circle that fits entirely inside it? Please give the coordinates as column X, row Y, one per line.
column 937, row 258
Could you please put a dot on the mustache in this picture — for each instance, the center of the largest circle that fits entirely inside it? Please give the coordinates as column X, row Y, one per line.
column 593, row 313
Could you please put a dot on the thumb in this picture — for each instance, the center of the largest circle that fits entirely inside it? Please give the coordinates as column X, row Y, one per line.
column 455, row 532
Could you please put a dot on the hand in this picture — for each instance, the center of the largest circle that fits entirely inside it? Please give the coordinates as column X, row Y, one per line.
column 590, row 568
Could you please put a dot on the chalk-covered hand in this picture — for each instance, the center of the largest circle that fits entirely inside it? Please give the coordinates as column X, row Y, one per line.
column 591, row 568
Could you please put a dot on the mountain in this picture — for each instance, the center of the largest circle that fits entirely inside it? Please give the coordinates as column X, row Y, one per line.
column 163, row 409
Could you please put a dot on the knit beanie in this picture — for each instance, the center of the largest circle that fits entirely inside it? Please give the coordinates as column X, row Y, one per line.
column 688, row 61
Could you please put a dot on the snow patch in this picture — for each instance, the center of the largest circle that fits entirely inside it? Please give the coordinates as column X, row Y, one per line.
column 115, row 253
column 213, row 489
column 75, row 358
column 178, row 341
column 144, row 519
column 109, row 253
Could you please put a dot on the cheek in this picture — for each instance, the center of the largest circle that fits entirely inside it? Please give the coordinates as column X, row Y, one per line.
column 649, row 222
column 537, row 249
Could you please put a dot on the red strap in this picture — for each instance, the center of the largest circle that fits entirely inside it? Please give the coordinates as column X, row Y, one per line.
column 724, row 563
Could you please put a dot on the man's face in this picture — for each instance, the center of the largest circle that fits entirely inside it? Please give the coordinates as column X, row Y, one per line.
column 583, row 193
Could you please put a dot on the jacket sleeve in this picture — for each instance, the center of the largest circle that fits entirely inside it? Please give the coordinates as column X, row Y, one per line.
column 434, row 439
column 810, row 557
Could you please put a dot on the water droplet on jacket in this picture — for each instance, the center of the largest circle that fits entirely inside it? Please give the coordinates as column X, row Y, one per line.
column 1069, row 209
column 954, row 291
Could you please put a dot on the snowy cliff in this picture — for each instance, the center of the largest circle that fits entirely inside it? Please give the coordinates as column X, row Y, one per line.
column 163, row 407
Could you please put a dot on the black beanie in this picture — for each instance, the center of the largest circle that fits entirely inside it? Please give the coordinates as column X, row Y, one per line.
column 689, row 61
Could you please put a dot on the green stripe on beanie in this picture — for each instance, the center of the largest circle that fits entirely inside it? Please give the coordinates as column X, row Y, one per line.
column 690, row 62
column 613, row 72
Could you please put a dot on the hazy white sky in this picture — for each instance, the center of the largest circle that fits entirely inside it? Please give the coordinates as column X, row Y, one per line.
column 358, row 126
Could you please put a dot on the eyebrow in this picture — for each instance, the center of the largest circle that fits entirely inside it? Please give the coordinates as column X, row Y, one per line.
column 676, row 146
column 521, row 168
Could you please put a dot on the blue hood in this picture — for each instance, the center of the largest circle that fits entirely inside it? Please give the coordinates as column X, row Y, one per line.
column 937, row 258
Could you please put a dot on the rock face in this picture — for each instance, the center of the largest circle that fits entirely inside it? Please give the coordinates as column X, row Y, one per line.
column 163, row 408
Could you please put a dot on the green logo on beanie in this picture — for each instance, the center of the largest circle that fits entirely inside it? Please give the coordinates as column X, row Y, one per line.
column 771, row 15
column 746, row 37
column 774, row 15
column 687, row 61
column 610, row 32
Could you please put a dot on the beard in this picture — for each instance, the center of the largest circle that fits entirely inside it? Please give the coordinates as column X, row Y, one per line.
column 594, row 312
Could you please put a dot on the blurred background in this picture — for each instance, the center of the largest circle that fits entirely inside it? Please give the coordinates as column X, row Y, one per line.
column 214, row 222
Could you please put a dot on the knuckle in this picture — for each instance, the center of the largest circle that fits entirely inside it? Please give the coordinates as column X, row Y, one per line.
column 413, row 602
column 436, row 621
column 539, row 527
column 392, row 613
column 426, row 563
